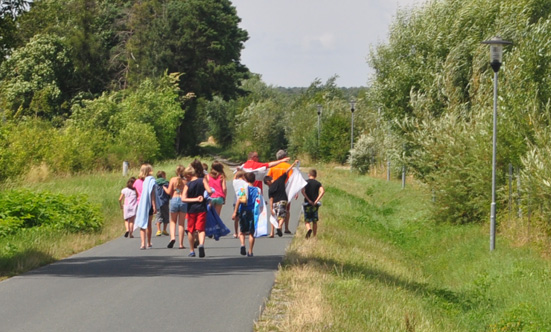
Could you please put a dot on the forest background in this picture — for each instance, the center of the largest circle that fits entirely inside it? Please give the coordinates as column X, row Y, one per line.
column 86, row 85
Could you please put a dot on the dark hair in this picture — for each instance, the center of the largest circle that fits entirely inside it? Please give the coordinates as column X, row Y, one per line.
column 313, row 173
column 198, row 167
column 267, row 179
column 216, row 169
column 250, row 177
column 161, row 174
column 130, row 183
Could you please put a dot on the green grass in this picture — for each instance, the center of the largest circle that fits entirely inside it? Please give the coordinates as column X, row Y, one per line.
column 383, row 265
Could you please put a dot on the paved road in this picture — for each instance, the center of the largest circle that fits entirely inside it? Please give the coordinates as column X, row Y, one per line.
column 117, row 287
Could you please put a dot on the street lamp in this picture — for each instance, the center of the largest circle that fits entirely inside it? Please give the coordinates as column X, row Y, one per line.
column 319, row 117
column 352, row 103
column 496, row 54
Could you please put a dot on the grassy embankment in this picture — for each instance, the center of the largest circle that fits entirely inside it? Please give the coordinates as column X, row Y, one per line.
column 379, row 264
column 30, row 249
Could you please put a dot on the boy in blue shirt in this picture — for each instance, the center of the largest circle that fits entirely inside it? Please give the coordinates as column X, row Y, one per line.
column 245, row 212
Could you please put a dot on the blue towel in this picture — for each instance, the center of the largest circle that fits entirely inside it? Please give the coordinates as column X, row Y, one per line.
column 215, row 226
column 142, row 215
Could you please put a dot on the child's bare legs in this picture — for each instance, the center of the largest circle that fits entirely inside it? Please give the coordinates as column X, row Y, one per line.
column 143, row 235
column 149, row 230
column 251, row 244
column 309, row 229
column 201, row 237
column 315, row 227
column 191, row 239
column 131, row 226
column 181, row 228
column 272, row 228
column 218, row 208
column 235, row 225
column 172, row 227
column 242, row 238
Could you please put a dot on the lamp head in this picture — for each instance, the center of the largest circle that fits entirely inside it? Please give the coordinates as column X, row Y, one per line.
column 496, row 51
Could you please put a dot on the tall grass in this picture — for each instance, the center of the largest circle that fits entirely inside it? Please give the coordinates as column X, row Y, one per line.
column 380, row 264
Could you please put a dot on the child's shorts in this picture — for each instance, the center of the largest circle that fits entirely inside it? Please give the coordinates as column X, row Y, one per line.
column 162, row 214
column 280, row 210
column 196, row 222
column 246, row 222
column 176, row 205
column 310, row 213
column 217, row 200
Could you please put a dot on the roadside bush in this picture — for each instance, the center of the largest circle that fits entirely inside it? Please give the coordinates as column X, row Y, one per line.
column 362, row 156
column 22, row 209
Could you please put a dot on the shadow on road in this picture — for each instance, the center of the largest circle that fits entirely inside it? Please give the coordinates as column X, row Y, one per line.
column 94, row 267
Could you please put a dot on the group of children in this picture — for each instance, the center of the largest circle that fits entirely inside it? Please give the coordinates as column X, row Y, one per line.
column 186, row 195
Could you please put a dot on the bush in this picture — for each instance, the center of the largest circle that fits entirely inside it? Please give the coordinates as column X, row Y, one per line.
column 22, row 209
column 362, row 157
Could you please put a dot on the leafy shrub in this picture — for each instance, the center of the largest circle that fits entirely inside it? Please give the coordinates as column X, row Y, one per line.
column 362, row 156
column 20, row 209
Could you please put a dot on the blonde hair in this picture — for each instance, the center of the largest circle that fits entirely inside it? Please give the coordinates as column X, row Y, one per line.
column 145, row 171
column 189, row 171
column 180, row 173
column 240, row 174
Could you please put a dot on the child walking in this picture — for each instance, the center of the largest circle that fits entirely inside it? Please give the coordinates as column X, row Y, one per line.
column 193, row 195
column 178, row 208
column 130, row 197
column 161, row 217
column 217, row 181
column 312, row 192
column 147, row 207
column 278, row 197
column 245, row 213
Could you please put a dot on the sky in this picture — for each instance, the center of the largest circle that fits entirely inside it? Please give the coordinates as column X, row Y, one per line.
column 293, row 42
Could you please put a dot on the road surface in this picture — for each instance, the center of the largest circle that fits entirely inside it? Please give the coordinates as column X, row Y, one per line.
column 117, row 287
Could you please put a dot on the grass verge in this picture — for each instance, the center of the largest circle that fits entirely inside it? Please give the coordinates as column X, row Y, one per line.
column 380, row 264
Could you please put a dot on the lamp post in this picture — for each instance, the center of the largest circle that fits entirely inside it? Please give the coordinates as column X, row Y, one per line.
column 352, row 104
column 496, row 54
column 319, row 117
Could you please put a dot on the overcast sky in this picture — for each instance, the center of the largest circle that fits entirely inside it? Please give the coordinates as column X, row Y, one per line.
column 293, row 42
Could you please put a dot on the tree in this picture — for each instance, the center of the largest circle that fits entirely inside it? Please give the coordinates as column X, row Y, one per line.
column 33, row 81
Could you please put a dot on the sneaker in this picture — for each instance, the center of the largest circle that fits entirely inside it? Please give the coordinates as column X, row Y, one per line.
column 308, row 233
column 250, row 255
column 126, row 234
column 279, row 233
column 171, row 244
column 158, row 233
column 243, row 251
column 191, row 254
column 201, row 251
column 165, row 233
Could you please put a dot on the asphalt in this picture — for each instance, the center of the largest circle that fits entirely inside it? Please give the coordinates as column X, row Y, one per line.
column 117, row 287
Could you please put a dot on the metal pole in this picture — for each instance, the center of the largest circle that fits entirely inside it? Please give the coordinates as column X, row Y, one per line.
column 352, row 131
column 319, row 122
column 494, row 151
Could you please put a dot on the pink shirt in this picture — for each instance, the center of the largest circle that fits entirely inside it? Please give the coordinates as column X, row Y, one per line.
column 138, row 184
column 216, row 184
